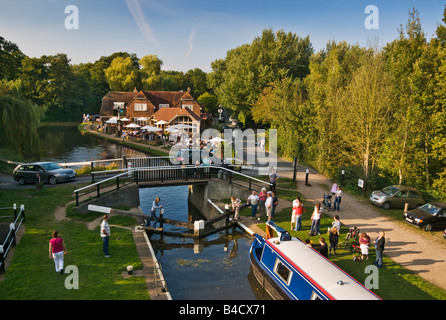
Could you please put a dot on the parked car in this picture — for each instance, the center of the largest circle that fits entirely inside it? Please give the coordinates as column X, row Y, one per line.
column 429, row 216
column 444, row 233
column 47, row 171
column 396, row 197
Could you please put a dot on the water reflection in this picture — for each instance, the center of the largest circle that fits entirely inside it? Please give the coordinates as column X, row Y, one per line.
column 60, row 142
column 211, row 268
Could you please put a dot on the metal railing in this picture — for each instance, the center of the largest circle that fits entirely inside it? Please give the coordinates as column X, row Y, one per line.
column 10, row 239
column 167, row 173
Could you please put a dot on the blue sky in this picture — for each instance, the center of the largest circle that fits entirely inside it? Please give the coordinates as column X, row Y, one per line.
column 193, row 33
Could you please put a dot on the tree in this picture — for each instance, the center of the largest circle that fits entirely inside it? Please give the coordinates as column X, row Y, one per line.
column 401, row 56
column 122, row 75
column 209, row 101
column 364, row 120
column 239, row 79
column 330, row 71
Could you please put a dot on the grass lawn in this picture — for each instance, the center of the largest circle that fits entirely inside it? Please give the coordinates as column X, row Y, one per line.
column 395, row 281
column 31, row 274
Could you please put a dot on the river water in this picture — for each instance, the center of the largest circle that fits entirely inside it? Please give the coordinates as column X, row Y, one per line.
column 216, row 267
column 62, row 142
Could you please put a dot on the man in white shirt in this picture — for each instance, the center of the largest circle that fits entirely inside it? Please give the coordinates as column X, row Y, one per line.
column 105, row 234
column 269, row 204
column 253, row 199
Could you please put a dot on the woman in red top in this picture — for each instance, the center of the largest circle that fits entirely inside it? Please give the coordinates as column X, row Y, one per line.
column 56, row 250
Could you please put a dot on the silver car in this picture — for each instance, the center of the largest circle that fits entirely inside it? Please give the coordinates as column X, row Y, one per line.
column 396, row 197
column 45, row 171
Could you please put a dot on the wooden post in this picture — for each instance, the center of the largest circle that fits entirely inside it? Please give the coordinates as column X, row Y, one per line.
column 294, row 169
column 406, row 207
column 2, row 260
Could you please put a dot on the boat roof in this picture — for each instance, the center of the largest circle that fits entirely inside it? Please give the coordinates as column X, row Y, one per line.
column 322, row 273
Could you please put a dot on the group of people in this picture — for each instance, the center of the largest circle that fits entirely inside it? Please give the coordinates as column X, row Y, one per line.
column 263, row 203
column 334, row 232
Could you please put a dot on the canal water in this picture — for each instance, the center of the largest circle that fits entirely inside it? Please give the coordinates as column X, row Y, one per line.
column 216, row 267
column 62, row 142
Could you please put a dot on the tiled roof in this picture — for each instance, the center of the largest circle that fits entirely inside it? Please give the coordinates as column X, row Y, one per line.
column 166, row 114
column 172, row 98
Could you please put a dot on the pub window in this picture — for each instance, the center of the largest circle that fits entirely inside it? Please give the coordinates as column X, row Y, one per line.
column 140, row 106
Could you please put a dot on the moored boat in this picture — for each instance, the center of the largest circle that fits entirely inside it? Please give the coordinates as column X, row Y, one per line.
column 288, row 269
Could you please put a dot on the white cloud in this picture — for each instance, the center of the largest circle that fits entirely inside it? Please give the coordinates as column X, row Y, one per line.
column 140, row 20
column 190, row 42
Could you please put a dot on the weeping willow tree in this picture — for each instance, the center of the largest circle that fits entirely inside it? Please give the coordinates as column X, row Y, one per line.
column 19, row 120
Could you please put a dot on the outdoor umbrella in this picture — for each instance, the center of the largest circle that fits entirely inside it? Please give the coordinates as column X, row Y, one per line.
column 132, row 125
column 151, row 128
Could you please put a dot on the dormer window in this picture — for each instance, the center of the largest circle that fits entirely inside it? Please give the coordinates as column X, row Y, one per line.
column 163, row 105
column 118, row 105
column 140, row 106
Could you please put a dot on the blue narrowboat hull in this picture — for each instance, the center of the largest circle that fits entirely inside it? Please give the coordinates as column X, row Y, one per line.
column 285, row 269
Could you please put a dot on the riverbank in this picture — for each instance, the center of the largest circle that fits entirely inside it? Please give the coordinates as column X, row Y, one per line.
column 140, row 145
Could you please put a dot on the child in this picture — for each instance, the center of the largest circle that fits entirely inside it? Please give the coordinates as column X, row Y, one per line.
column 333, row 238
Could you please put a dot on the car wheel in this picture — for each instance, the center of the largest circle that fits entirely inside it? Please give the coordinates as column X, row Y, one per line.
column 386, row 205
column 427, row 227
column 53, row 180
column 22, row 181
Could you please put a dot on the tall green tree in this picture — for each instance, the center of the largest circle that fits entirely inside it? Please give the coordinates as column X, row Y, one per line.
column 364, row 116
column 401, row 58
column 331, row 70
column 239, row 79
column 122, row 75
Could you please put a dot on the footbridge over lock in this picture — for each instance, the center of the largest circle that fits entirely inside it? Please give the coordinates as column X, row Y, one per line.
column 207, row 184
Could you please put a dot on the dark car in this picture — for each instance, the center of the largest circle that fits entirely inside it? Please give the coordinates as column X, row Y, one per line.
column 396, row 197
column 429, row 216
column 47, row 171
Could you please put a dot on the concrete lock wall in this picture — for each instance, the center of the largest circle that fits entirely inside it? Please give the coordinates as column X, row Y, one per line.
column 215, row 190
column 126, row 197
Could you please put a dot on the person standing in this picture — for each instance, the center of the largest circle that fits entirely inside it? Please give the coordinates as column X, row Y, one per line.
column 262, row 199
column 235, row 203
column 105, row 234
column 253, row 199
column 296, row 217
column 379, row 245
column 57, row 249
column 333, row 238
column 316, row 219
column 275, row 203
column 269, row 204
column 337, row 201
column 273, row 179
column 337, row 223
column 155, row 206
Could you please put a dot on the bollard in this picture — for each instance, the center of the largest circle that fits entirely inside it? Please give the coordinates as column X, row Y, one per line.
column 198, row 227
column 406, row 207
column 129, row 167
column 306, row 176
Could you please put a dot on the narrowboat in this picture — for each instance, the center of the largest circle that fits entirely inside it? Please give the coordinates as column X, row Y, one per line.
column 288, row 269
